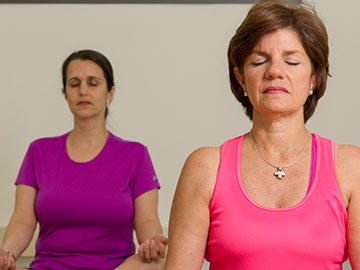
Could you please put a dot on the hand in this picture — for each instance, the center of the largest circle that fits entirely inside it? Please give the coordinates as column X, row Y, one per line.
column 7, row 262
column 154, row 248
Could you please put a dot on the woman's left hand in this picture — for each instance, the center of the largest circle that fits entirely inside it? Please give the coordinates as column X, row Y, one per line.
column 154, row 248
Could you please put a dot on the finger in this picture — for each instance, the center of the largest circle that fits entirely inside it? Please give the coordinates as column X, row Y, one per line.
column 147, row 251
column 13, row 264
column 164, row 240
column 141, row 252
column 160, row 246
column 153, row 250
column 162, row 251
column 161, row 239
column 5, row 262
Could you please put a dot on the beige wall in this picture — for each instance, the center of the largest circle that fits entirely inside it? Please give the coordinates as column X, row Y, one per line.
column 170, row 67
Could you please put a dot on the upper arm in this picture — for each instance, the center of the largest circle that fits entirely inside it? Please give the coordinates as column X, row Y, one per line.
column 348, row 168
column 24, row 210
column 146, row 208
column 353, row 229
column 190, row 216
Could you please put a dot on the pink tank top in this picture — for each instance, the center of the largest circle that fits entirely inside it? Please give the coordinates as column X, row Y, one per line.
column 246, row 235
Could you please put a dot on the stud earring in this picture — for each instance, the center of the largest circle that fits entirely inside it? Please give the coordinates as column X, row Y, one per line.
column 311, row 92
column 107, row 103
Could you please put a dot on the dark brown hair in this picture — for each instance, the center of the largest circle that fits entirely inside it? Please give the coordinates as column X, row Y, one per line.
column 268, row 16
column 95, row 57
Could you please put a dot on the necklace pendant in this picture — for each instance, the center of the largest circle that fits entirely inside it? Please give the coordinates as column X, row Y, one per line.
column 279, row 173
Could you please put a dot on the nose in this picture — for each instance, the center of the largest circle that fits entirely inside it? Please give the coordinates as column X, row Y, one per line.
column 83, row 89
column 274, row 70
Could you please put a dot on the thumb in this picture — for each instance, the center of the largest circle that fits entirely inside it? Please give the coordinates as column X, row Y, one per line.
column 163, row 239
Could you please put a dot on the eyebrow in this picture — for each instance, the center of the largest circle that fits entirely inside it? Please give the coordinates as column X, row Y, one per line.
column 286, row 53
column 88, row 77
column 262, row 53
column 291, row 52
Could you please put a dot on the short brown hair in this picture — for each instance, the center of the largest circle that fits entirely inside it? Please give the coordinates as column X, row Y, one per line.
column 266, row 17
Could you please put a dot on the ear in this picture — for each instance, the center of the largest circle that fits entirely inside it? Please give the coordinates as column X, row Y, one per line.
column 313, row 82
column 110, row 94
column 239, row 77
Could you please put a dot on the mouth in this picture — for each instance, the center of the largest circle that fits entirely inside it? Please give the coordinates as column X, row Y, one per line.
column 275, row 90
column 84, row 103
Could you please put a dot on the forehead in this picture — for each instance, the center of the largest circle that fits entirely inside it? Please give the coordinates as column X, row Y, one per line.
column 84, row 68
column 280, row 40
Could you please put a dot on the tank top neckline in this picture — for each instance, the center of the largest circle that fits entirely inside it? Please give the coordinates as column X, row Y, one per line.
column 284, row 209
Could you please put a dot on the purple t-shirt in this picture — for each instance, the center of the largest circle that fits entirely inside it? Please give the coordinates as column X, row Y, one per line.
column 85, row 210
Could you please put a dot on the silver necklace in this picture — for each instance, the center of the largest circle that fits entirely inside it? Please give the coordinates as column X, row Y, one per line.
column 279, row 173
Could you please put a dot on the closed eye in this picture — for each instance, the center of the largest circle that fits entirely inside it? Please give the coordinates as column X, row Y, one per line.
column 292, row 63
column 92, row 81
column 258, row 63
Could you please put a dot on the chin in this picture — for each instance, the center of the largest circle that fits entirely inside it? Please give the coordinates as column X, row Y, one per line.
column 278, row 110
column 279, row 106
column 89, row 115
column 83, row 115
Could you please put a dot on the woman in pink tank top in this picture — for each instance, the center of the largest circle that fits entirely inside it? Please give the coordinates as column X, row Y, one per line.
column 279, row 196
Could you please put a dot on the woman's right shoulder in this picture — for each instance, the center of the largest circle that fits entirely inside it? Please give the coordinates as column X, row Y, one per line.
column 200, row 171
column 204, row 157
column 46, row 142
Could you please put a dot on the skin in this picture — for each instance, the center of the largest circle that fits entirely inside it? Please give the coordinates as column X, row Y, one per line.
column 284, row 63
column 87, row 94
column 279, row 135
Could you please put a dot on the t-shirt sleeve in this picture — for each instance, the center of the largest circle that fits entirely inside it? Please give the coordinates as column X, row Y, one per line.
column 144, row 178
column 26, row 174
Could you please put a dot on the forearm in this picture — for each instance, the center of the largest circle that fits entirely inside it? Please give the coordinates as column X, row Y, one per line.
column 147, row 229
column 18, row 236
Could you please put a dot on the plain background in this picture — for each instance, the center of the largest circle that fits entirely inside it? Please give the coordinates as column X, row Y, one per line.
column 171, row 74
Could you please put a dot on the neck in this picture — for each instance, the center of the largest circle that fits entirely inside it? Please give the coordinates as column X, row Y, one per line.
column 88, row 132
column 279, row 139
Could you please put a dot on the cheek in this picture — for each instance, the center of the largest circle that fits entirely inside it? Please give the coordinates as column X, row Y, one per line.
column 104, row 98
column 69, row 97
column 252, row 78
column 303, row 81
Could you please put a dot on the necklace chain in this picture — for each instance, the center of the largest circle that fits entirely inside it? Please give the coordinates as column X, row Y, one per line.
column 279, row 173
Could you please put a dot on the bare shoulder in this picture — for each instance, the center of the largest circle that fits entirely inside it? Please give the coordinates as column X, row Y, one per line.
column 348, row 169
column 348, row 158
column 204, row 158
column 200, row 170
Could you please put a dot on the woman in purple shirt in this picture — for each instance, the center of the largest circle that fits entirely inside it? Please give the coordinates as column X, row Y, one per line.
column 88, row 189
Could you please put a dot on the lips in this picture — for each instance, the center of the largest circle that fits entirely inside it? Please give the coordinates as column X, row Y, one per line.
column 84, row 103
column 275, row 90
